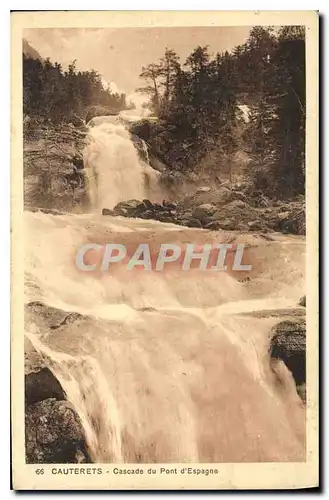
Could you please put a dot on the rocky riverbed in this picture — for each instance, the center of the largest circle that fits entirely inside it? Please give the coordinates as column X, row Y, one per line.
column 224, row 208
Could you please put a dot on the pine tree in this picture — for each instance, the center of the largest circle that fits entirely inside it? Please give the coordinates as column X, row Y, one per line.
column 151, row 74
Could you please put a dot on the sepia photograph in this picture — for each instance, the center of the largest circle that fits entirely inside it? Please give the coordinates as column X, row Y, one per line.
column 161, row 286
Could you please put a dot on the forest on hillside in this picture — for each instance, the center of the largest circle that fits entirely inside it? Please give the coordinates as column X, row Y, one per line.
column 58, row 96
column 199, row 105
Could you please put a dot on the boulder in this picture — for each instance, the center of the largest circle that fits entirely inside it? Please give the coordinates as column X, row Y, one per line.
column 302, row 301
column 148, row 204
column 140, row 209
column 107, row 211
column 192, row 223
column 126, row 207
column 54, row 434
column 288, row 343
column 292, row 221
column 288, row 225
column 169, row 204
column 286, row 217
column 204, row 211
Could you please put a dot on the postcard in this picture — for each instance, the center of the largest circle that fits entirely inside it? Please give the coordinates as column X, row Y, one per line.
column 164, row 250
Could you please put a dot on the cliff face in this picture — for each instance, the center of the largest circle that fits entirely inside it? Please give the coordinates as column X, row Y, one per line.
column 53, row 167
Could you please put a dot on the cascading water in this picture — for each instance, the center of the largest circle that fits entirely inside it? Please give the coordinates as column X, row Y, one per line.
column 163, row 367
column 112, row 166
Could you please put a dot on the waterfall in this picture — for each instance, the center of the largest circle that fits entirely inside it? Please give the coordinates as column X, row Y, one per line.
column 162, row 367
column 113, row 169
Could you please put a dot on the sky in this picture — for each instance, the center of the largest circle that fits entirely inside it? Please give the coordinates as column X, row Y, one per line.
column 119, row 54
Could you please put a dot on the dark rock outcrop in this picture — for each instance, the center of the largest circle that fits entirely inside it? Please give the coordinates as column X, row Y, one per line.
column 42, row 385
column 142, row 129
column 203, row 212
column 107, row 211
column 191, row 223
column 288, row 343
column 292, row 221
column 127, row 207
column 145, row 209
column 53, row 433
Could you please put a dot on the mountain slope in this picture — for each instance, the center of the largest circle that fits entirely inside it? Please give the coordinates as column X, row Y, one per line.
column 29, row 51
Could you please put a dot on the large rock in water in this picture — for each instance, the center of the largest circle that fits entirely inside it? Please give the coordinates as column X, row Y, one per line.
column 107, row 211
column 288, row 343
column 126, row 208
column 53, row 434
